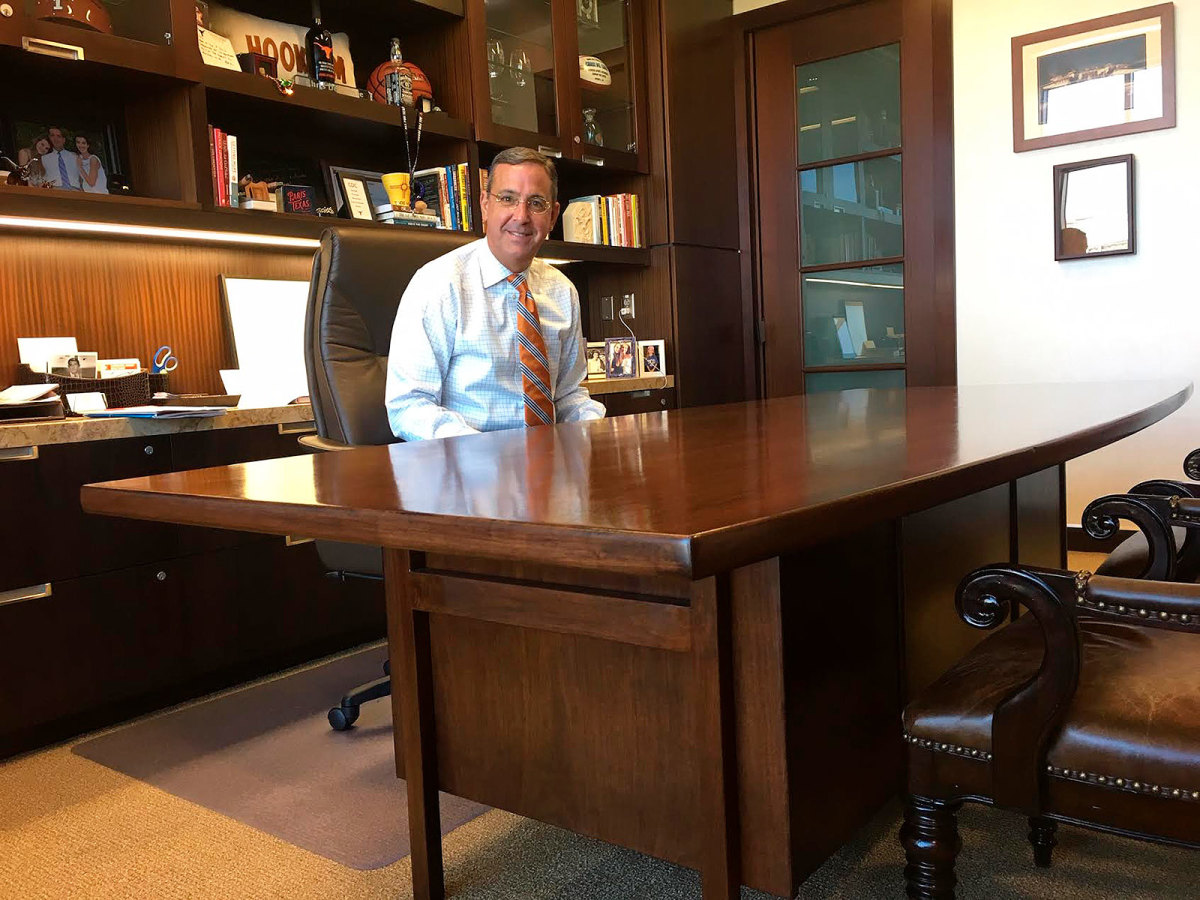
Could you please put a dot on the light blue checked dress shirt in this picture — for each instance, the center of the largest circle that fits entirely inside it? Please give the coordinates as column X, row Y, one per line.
column 453, row 367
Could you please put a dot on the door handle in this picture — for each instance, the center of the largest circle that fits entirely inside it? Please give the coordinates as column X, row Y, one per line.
column 33, row 592
column 549, row 151
column 18, row 454
column 51, row 48
column 297, row 427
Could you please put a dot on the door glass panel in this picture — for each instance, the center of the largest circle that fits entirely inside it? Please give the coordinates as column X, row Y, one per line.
column 849, row 104
column 851, row 212
column 139, row 20
column 520, row 61
column 606, row 93
column 854, row 316
column 842, row 381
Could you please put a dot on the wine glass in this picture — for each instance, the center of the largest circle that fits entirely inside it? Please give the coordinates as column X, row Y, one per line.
column 496, row 58
column 519, row 62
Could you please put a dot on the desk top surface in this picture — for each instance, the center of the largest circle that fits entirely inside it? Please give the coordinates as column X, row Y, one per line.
column 692, row 491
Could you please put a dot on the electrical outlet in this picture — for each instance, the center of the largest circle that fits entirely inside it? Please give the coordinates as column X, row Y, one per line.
column 627, row 306
column 606, row 309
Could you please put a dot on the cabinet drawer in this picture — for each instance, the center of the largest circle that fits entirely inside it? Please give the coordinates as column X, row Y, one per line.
column 86, row 651
column 45, row 533
column 625, row 404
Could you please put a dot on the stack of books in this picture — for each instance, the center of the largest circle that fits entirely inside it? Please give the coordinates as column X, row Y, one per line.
column 446, row 191
column 610, row 220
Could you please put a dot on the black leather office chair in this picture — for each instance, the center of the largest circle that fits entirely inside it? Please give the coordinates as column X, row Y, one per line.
column 358, row 278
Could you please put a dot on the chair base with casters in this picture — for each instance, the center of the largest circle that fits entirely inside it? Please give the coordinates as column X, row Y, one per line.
column 1084, row 711
column 345, row 714
column 346, row 562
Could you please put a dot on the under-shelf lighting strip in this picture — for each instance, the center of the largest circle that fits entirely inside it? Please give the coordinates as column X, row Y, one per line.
column 181, row 234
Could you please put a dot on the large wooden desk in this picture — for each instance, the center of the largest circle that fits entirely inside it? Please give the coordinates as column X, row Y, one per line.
column 690, row 633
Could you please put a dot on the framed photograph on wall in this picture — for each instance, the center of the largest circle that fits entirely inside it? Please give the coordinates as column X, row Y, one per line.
column 1096, row 79
column 620, row 358
column 1093, row 208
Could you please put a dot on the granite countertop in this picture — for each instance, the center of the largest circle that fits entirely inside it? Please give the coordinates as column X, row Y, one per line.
column 77, row 429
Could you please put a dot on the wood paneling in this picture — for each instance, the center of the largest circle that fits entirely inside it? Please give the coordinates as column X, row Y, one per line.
column 709, row 325
column 125, row 298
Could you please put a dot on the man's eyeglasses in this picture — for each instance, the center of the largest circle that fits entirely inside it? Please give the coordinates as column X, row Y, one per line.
column 537, row 205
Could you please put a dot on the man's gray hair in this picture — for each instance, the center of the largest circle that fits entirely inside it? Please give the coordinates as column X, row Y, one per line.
column 516, row 156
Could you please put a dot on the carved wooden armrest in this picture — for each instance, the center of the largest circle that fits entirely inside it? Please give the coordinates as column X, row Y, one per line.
column 1154, row 604
column 1151, row 514
column 1024, row 721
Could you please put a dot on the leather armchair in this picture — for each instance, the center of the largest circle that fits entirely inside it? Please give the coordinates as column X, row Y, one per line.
column 1086, row 711
column 357, row 281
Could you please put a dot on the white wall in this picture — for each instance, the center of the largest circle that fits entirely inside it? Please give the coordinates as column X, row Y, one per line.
column 1022, row 317
column 741, row 6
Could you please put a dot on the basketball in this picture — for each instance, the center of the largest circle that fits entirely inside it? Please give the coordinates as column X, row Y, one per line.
column 413, row 83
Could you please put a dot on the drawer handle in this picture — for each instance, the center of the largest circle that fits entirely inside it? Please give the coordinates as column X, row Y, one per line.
column 292, row 540
column 297, row 427
column 549, row 151
column 593, row 160
column 17, row 454
column 51, row 48
column 33, row 592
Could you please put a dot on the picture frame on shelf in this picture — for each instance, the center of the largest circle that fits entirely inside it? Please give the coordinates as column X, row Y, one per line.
column 91, row 153
column 652, row 358
column 1094, row 208
column 588, row 13
column 620, row 358
column 1096, row 79
column 372, row 183
column 596, row 369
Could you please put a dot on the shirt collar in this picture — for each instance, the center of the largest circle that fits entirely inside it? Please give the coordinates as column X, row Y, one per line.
column 491, row 269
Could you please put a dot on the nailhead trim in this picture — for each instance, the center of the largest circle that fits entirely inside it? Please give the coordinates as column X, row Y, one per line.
column 952, row 749
column 1140, row 612
column 1128, row 785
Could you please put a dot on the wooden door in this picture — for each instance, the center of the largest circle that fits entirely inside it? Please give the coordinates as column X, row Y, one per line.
column 848, row 264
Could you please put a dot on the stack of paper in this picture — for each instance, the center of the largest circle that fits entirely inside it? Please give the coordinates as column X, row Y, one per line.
column 158, row 412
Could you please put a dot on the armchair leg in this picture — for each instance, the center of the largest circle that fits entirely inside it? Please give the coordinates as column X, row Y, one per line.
column 931, row 843
column 1041, row 836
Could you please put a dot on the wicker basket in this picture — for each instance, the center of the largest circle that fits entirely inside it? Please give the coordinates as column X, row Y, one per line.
column 124, row 390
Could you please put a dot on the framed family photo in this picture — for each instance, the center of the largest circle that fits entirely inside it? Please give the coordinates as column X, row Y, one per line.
column 652, row 358
column 620, row 359
column 69, row 153
column 595, row 361
column 1095, row 79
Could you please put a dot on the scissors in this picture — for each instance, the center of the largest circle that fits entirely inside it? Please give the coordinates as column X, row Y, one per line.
column 163, row 360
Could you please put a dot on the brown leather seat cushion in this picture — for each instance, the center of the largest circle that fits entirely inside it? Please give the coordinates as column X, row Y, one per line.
column 1128, row 559
column 1136, row 714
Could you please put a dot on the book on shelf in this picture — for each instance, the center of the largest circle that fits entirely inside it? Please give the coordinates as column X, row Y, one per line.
column 445, row 191
column 609, row 220
column 222, row 150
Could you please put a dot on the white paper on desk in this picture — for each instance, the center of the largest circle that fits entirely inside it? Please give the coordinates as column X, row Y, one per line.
column 87, row 401
column 36, row 352
column 27, row 393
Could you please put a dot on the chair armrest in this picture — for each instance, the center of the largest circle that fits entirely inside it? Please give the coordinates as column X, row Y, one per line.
column 320, row 443
column 1151, row 514
column 1154, row 604
column 1165, row 487
column 1191, row 465
column 1024, row 721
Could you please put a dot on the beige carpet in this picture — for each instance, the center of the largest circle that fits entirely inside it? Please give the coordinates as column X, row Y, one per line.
column 71, row 828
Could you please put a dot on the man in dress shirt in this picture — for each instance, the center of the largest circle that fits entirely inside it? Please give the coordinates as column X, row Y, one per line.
column 454, row 365
column 61, row 165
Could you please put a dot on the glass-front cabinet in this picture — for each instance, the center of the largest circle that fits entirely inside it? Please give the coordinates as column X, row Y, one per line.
column 134, row 34
column 564, row 76
column 850, row 199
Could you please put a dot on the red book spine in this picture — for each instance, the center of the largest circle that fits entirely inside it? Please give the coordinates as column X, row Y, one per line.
column 222, row 168
column 212, row 157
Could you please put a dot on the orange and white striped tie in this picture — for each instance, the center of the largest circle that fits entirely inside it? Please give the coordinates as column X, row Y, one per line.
column 535, row 367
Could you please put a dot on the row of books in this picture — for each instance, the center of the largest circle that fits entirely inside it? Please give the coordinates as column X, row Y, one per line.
column 613, row 220
column 446, row 191
column 222, row 151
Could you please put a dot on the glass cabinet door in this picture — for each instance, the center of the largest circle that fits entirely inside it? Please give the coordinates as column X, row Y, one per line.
column 135, row 34
column 521, row 82
column 606, row 76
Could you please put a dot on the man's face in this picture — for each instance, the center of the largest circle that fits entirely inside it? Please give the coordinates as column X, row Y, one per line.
column 515, row 234
column 57, row 139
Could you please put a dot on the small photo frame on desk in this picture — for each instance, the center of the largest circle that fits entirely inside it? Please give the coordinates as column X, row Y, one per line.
column 620, row 358
column 652, row 358
column 595, row 361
